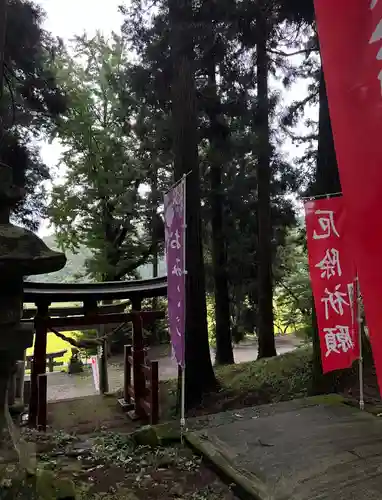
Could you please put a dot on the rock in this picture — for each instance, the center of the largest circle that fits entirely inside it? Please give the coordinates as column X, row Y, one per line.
column 168, row 432
column 157, row 435
column 146, row 436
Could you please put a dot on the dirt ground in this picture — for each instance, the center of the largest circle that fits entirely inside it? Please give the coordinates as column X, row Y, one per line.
column 109, row 466
column 88, row 442
column 88, row 415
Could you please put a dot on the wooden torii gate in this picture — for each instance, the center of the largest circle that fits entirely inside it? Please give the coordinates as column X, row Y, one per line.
column 90, row 295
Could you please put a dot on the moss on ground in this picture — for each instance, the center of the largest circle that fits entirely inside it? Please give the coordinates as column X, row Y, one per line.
column 328, row 399
column 288, row 373
column 288, row 376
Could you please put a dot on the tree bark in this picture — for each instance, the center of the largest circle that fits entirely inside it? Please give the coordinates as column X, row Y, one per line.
column 200, row 376
column 327, row 179
column 3, row 29
column 219, row 136
column 265, row 331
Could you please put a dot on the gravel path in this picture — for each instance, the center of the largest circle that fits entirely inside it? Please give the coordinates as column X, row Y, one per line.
column 63, row 386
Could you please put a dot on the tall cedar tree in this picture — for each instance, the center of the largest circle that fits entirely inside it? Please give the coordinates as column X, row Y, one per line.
column 218, row 135
column 200, row 377
column 218, row 144
column 227, row 138
column 226, row 47
column 265, row 331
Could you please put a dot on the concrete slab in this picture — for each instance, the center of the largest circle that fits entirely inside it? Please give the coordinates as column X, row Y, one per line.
column 298, row 450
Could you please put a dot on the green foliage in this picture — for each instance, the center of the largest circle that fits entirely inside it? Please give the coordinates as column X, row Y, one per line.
column 293, row 298
column 100, row 202
column 87, row 334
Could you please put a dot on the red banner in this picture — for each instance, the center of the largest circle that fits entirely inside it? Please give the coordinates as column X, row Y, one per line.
column 333, row 275
column 350, row 33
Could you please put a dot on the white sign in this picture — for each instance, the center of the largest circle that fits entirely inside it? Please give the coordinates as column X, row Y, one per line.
column 95, row 371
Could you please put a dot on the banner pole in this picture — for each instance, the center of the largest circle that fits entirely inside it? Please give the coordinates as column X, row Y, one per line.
column 183, row 405
column 177, row 182
column 360, row 360
column 183, row 392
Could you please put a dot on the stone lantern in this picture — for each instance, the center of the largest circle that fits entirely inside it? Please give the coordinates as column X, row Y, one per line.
column 22, row 253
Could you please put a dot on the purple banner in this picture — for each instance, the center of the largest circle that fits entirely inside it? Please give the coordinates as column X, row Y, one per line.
column 174, row 216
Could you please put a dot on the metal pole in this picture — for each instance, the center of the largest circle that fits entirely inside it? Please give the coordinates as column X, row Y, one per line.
column 183, row 390
column 360, row 361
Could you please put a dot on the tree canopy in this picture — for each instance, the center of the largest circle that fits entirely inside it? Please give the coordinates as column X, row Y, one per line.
column 30, row 104
column 102, row 202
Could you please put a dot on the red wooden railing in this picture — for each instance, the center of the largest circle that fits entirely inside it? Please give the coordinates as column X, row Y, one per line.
column 142, row 399
column 145, row 384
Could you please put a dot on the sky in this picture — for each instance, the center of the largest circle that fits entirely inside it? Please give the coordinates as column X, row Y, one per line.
column 66, row 18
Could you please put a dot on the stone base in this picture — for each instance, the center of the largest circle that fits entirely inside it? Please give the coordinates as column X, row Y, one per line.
column 125, row 405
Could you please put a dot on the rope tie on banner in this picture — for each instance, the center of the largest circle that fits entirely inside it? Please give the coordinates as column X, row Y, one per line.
column 183, row 178
column 320, row 196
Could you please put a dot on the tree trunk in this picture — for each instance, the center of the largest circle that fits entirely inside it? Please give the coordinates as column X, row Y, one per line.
column 327, row 180
column 3, row 29
column 218, row 148
column 265, row 330
column 200, row 376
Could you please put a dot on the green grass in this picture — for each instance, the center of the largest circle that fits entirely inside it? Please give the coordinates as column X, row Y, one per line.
column 287, row 374
column 55, row 344
column 283, row 377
